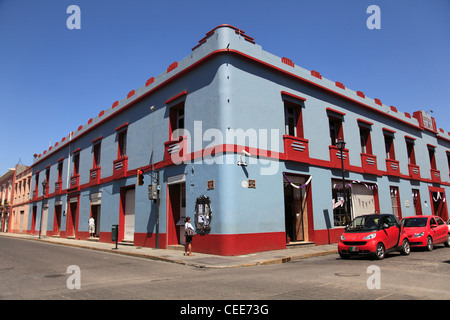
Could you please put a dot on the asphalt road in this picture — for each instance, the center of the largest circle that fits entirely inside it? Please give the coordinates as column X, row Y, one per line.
column 35, row 270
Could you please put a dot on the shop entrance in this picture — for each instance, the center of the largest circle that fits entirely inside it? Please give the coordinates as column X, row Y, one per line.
column 296, row 208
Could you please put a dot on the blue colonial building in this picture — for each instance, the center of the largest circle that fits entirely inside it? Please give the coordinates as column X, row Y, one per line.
column 249, row 145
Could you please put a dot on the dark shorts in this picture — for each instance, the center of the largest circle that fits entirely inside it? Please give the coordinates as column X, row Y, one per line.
column 188, row 239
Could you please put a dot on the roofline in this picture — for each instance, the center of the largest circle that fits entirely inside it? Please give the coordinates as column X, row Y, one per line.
column 243, row 55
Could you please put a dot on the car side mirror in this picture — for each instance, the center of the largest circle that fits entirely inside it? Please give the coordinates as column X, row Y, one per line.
column 433, row 225
column 384, row 226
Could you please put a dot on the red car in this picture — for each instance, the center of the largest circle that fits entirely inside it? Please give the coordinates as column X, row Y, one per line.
column 373, row 234
column 426, row 231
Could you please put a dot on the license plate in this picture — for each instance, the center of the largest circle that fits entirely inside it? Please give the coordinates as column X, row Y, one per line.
column 354, row 249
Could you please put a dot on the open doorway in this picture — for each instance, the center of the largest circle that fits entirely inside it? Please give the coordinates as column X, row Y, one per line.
column 296, row 194
column 95, row 213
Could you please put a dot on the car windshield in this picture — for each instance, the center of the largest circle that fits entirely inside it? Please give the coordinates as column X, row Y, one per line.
column 415, row 222
column 364, row 224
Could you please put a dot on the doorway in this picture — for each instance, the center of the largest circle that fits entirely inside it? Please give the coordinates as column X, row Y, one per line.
column 176, row 213
column 33, row 220
column 127, row 216
column 95, row 213
column 22, row 215
column 43, row 225
column 296, row 208
column 439, row 207
column 72, row 220
column 57, row 222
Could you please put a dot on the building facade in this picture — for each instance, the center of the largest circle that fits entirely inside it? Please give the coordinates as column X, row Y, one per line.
column 245, row 143
column 6, row 198
column 18, row 220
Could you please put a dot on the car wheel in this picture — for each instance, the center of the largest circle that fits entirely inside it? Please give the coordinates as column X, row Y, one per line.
column 447, row 243
column 380, row 251
column 429, row 244
column 406, row 249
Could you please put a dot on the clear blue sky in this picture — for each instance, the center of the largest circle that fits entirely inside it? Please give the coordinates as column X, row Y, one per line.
column 53, row 79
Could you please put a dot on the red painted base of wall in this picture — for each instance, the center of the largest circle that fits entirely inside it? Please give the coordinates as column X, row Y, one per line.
column 328, row 236
column 149, row 240
column 237, row 244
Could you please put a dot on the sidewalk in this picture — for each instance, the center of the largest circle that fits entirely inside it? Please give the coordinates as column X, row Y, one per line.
column 199, row 260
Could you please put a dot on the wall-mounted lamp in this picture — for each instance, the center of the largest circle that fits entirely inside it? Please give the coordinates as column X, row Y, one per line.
column 241, row 162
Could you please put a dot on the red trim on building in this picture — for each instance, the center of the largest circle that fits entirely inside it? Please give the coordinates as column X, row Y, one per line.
column 131, row 93
column 339, row 85
column 293, row 96
column 173, row 66
column 181, row 94
column 340, row 113
column 150, row 81
column 121, row 127
column 97, row 139
column 287, row 61
column 316, row 74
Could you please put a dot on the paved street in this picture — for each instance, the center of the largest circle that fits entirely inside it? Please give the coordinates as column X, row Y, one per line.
column 38, row 270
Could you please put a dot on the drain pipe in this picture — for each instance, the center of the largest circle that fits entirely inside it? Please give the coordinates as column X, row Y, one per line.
column 68, row 171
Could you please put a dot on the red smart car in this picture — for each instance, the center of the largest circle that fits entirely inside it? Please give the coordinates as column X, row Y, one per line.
column 373, row 234
column 426, row 231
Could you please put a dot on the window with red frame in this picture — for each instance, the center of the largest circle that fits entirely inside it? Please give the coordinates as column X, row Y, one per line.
column 97, row 149
column 389, row 146
column 336, row 129
column 431, row 154
column 176, row 121
column 411, row 153
column 76, row 163
column 36, row 181
column 293, row 119
column 122, row 143
column 60, row 170
column 366, row 143
column 448, row 160
column 47, row 175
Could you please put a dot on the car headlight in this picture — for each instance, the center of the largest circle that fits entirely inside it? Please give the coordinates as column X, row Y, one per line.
column 370, row 236
column 418, row 235
column 342, row 237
